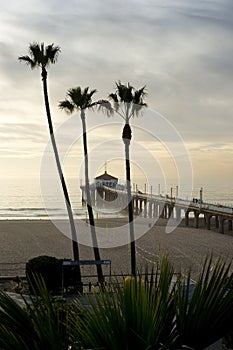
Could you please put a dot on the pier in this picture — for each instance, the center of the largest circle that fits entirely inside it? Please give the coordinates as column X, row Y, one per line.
column 153, row 206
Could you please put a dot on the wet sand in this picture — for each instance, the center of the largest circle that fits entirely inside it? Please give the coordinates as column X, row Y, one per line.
column 187, row 247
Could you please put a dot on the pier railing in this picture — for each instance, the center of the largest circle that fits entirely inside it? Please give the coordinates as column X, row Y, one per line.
column 221, row 208
column 154, row 205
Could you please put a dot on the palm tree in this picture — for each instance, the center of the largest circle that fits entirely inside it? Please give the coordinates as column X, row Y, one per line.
column 81, row 100
column 41, row 57
column 128, row 102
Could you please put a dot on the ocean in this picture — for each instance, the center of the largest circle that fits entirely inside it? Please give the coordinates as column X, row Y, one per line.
column 22, row 198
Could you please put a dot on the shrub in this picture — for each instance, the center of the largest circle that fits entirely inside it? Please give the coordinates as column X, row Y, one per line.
column 47, row 267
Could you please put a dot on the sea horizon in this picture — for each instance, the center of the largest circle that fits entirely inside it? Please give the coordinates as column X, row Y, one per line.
column 22, row 199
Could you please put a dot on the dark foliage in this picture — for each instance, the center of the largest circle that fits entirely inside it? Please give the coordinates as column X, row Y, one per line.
column 47, row 267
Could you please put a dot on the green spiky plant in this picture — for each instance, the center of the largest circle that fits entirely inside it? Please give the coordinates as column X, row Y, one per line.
column 207, row 316
column 151, row 311
column 138, row 315
column 158, row 313
column 38, row 325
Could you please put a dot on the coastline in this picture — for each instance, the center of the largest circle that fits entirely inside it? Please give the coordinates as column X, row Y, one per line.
column 187, row 247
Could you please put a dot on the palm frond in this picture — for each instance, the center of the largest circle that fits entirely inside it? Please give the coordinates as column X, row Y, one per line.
column 90, row 94
column 139, row 95
column 106, row 107
column 75, row 94
column 137, row 108
column 113, row 97
column 67, row 106
column 85, row 90
column 28, row 60
column 36, row 52
column 52, row 53
column 125, row 92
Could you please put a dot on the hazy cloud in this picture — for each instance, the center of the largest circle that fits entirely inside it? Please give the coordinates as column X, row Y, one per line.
column 181, row 49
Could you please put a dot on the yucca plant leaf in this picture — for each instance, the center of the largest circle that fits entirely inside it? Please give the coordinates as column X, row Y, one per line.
column 138, row 315
column 15, row 326
column 36, row 326
column 205, row 318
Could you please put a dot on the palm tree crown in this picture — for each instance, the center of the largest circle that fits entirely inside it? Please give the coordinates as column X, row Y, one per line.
column 127, row 101
column 41, row 56
column 79, row 99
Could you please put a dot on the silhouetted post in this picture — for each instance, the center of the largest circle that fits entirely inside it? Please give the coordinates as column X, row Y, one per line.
column 230, row 225
column 201, row 196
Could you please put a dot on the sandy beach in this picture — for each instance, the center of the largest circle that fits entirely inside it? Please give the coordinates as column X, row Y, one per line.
column 22, row 240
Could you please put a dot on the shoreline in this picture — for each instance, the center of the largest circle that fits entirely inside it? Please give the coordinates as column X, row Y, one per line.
column 187, row 247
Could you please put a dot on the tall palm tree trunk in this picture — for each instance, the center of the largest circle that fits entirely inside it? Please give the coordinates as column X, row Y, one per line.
column 89, row 205
column 64, row 188
column 126, row 136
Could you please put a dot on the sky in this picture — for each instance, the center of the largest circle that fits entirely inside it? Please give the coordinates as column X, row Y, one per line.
column 180, row 49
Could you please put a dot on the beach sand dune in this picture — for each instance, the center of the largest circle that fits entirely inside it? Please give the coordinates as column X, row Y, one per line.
column 187, row 247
